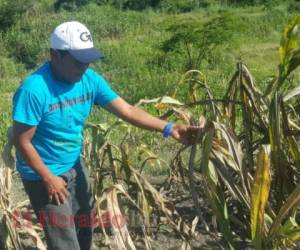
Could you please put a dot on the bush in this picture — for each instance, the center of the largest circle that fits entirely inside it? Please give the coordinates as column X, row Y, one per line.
column 294, row 6
column 251, row 2
column 28, row 41
column 178, row 6
column 10, row 11
column 69, row 4
column 10, row 72
column 130, row 4
column 173, row 6
column 197, row 41
column 26, row 49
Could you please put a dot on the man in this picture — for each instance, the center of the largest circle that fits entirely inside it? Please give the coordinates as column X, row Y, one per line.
column 49, row 111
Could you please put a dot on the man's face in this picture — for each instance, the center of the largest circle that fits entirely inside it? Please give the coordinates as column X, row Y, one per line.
column 69, row 69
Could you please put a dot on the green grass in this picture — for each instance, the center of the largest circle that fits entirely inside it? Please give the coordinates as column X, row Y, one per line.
column 134, row 64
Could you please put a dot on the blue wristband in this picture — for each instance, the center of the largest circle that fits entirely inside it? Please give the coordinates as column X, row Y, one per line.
column 168, row 129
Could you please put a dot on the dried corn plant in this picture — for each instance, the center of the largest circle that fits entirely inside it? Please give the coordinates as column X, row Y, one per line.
column 247, row 160
column 10, row 237
column 250, row 160
column 14, row 225
column 127, row 189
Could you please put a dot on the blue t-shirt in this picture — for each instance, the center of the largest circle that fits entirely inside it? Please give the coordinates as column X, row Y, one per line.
column 59, row 110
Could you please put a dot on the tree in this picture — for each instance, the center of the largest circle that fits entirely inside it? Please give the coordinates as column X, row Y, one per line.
column 196, row 41
column 11, row 10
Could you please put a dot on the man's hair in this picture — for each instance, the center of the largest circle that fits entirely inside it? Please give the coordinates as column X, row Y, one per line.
column 62, row 52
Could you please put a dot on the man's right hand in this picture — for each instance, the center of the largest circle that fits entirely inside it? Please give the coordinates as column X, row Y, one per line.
column 56, row 188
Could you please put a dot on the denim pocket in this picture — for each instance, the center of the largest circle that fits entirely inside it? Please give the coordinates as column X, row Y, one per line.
column 66, row 179
column 69, row 176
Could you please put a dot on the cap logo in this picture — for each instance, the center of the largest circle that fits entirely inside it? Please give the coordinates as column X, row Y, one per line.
column 85, row 36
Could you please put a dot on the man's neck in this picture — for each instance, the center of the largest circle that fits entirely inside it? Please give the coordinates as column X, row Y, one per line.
column 55, row 72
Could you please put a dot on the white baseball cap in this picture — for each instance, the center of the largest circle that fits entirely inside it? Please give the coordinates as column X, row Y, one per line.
column 75, row 38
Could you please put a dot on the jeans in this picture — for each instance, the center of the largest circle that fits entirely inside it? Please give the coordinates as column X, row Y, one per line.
column 69, row 225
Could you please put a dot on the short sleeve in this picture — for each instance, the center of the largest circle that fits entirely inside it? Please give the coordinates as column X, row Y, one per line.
column 104, row 93
column 27, row 107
